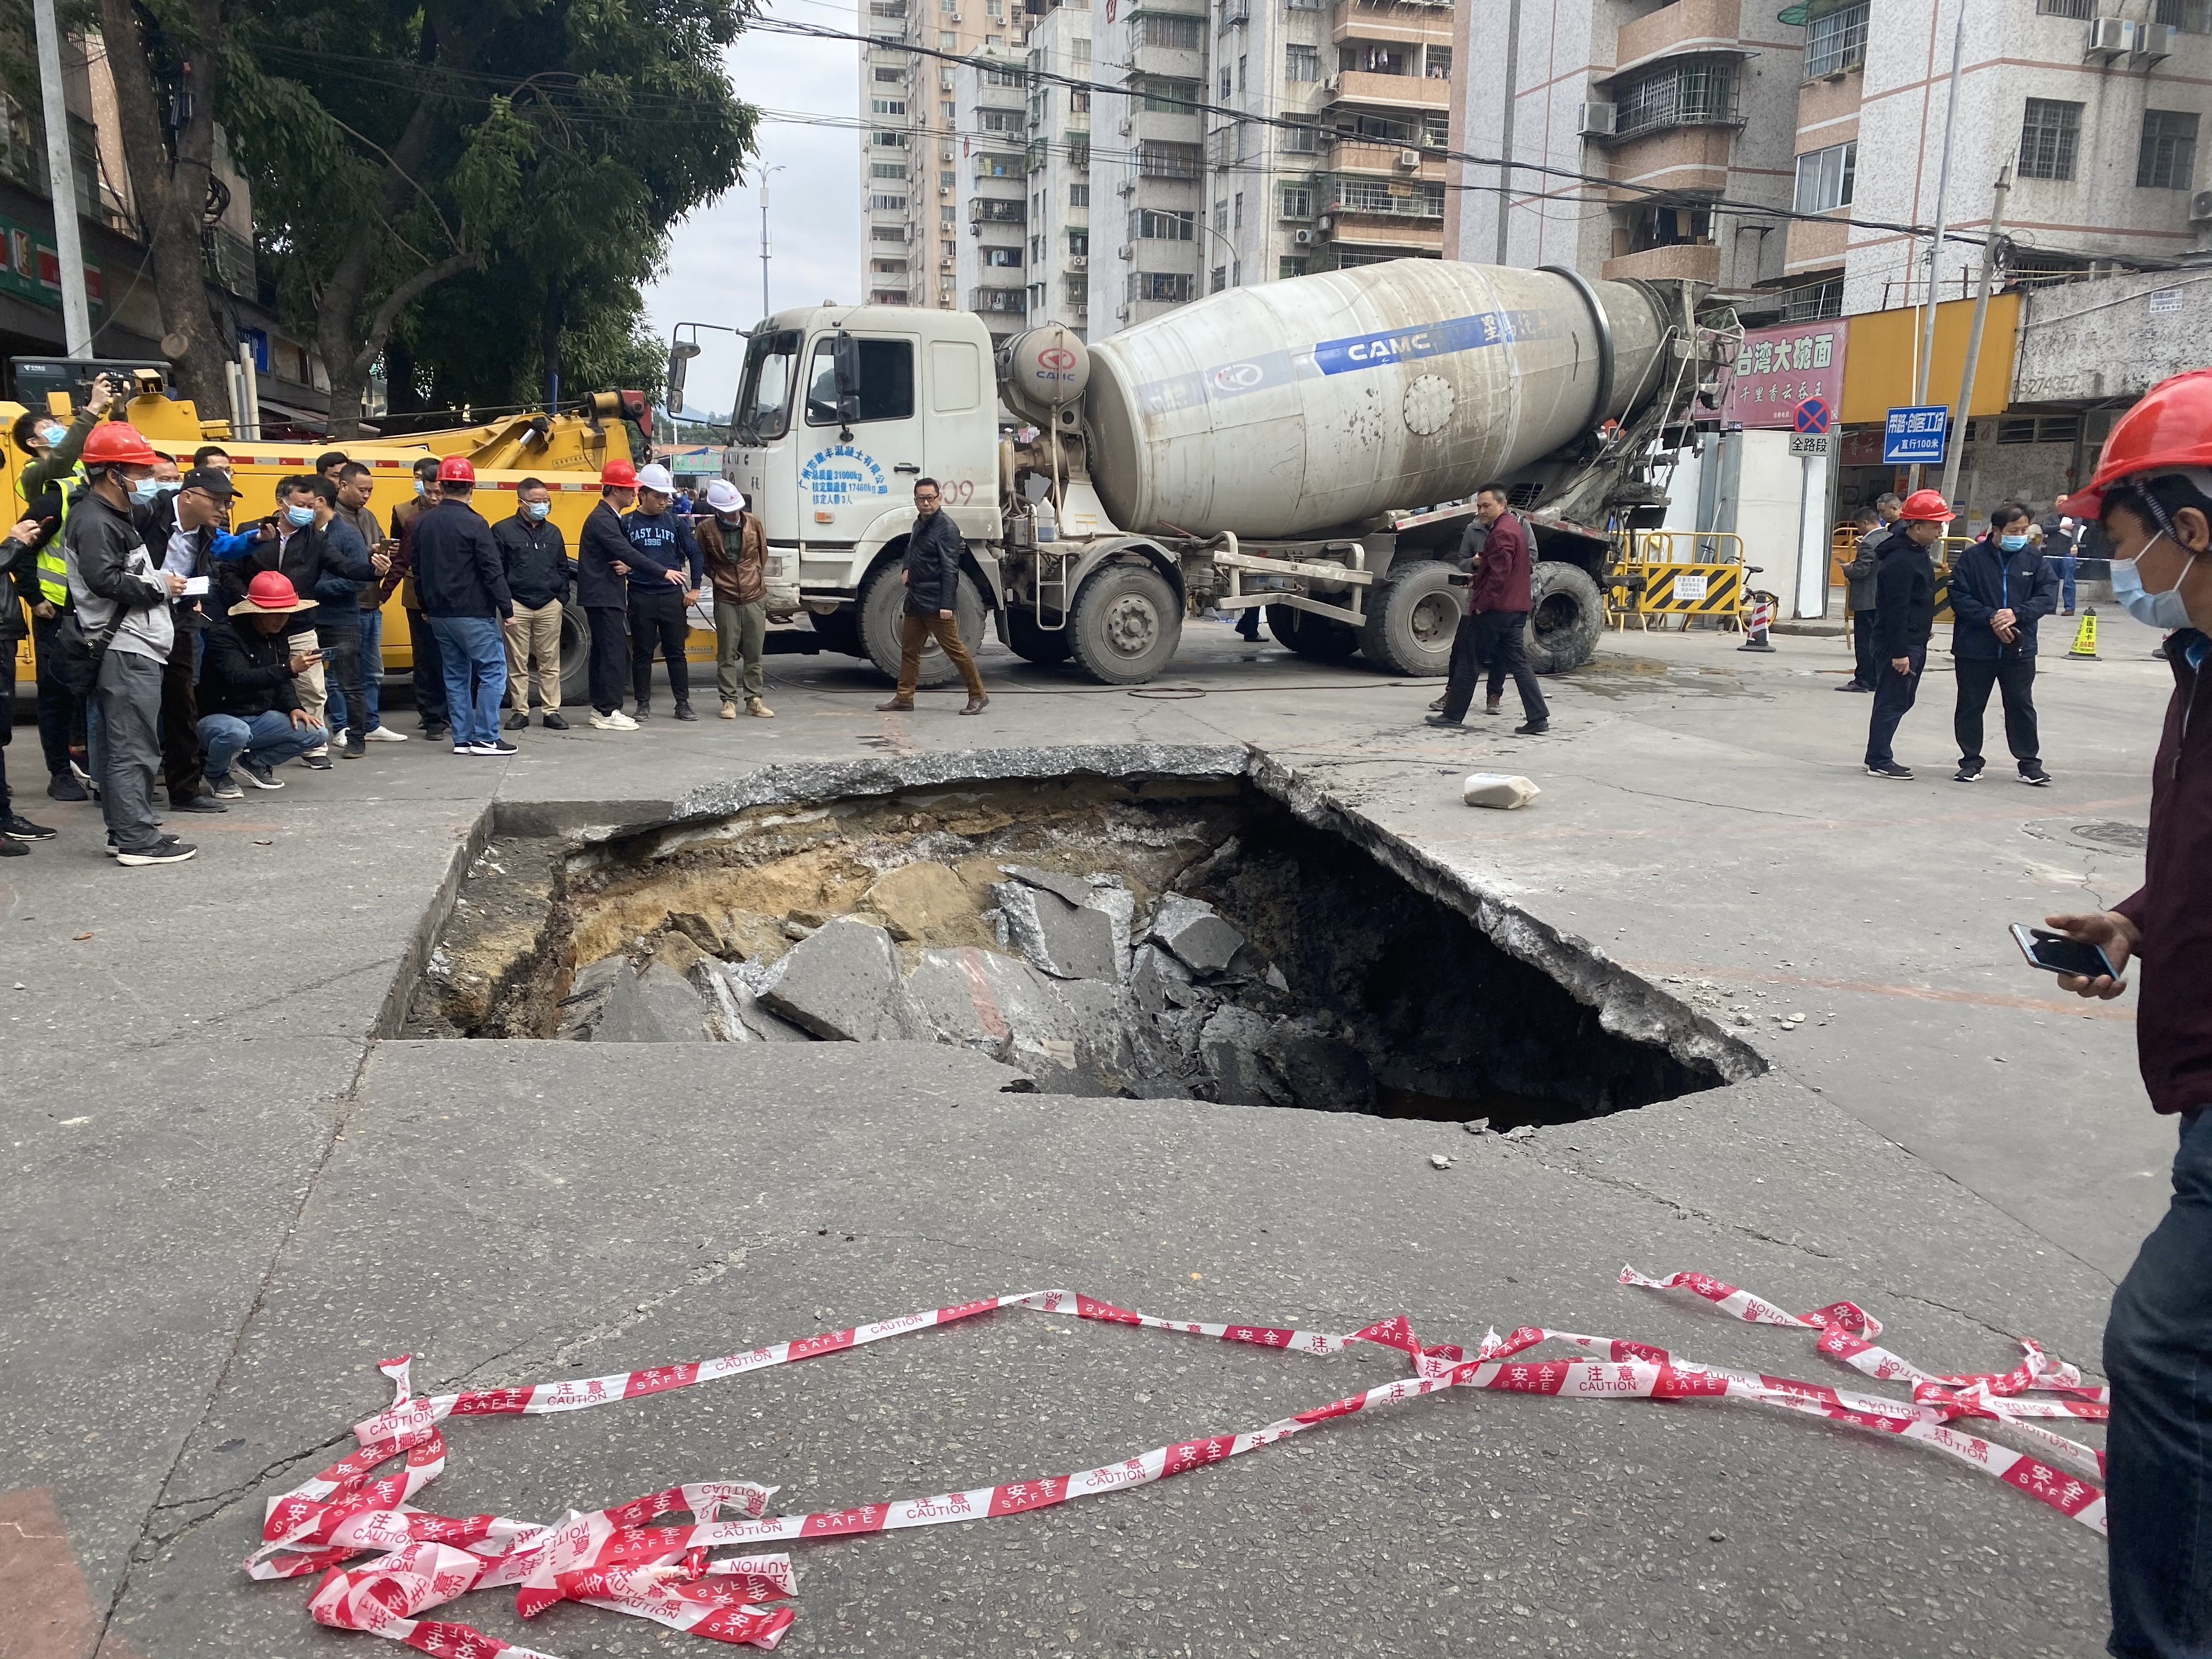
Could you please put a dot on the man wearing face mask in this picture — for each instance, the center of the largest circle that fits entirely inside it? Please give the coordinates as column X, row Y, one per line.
column 737, row 565
column 429, row 672
column 45, row 487
column 2001, row 588
column 1904, row 595
column 2151, row 497
column 538, row 573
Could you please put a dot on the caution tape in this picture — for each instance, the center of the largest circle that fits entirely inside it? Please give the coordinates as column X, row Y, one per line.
column 616, row 1559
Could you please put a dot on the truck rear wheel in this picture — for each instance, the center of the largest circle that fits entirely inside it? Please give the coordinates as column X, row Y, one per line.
column 575, row 653
column 1566, row 616
column 881, row 606
column 1034, row 644
column 1126, row 624
column 1412, row 615
column 1322, row 638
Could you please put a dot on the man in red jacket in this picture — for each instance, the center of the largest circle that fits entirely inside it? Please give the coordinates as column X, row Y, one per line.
column 2153, row 495
column 1497, row 616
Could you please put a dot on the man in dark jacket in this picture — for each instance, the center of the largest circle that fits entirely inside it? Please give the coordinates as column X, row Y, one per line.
column 538, row 575
column 17, row 554
column 603, row 568
column 1859, row 573
column 185, row 539
column 45, row 486
column 429, row 675
column 463, row 586
column 250, row 720
column 930, row 575
column 2001, row 588
column 1904, row 593
column 666, row 570
column 1497, row 606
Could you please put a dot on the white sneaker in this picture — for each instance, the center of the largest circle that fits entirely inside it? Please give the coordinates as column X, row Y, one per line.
column 386, row 734
column 617, row 721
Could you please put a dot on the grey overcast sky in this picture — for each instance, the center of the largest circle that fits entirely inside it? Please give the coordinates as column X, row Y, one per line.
column 714, row 273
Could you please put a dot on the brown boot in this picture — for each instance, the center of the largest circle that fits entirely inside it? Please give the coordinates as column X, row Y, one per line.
column 896, row 706
column 976, row 704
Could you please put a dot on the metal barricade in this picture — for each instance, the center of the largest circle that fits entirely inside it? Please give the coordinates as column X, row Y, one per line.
column 1676, row 572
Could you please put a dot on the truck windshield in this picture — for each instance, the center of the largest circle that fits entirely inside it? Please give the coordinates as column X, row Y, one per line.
column 886, row 381
column 764, row 410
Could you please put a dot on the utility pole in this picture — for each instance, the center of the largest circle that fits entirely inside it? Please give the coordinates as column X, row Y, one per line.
column 765, row 172
column 1935, row 242
column 1952, row 452
column 61, row 182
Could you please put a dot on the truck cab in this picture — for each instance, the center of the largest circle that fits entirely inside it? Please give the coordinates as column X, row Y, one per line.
column 839, row 409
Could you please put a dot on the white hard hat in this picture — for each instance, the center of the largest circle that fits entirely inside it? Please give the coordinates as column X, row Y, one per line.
column 722, row 496
column 656, row 478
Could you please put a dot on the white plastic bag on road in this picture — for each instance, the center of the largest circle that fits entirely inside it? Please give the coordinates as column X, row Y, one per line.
column 1499, row 789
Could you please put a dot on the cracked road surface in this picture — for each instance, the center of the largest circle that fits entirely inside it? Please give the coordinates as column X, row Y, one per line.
column 229, row 1200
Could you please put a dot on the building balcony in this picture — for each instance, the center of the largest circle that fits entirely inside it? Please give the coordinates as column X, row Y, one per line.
column 1000, row 301
column 1391, row 91
column 1414, row 22
column 1385, row 161
column 1689, row 160
column 1367, row 228
column 1688, row 27
column 1686, row 260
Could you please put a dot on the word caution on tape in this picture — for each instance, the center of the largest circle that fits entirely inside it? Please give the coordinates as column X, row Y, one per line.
column 623, row 1559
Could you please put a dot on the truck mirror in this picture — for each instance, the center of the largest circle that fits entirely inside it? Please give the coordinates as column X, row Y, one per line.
column 845, row 358
column 679, row 359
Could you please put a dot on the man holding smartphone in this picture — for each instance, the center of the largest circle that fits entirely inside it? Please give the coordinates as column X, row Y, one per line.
column 2152, row 494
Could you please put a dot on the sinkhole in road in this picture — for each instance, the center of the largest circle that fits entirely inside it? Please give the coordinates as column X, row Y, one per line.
column 1211, row 934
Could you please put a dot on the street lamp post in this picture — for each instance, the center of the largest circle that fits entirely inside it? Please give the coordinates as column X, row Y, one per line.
column 765, row 172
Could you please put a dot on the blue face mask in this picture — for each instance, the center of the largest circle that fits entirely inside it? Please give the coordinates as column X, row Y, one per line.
column 419, row 490
column 299, row 516
column 2012, row 544
column 2162, row 610
column 144, row 492
column 536, row 509
column 54, row 434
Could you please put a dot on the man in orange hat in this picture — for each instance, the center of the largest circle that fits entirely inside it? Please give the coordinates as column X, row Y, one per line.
column 250, row 720
column 1904, row 595
column 2151, row 497
column 124, row 632
column 602, row 589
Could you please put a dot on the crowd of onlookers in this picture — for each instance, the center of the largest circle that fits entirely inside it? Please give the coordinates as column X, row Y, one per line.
column 181, row 644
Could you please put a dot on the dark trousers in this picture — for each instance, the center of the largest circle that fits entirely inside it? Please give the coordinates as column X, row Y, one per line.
column 609, row 655
column 7, row 728
column 657, row 619
column 1492, row 640
column 2158, row 1456
column 341, row 643
column 2015, row 679
column 430, row 673
column 916, row 629
column 1864, row 639
column 129, row 691
column 57, row 710
column 1894, row 697
column 182, row 757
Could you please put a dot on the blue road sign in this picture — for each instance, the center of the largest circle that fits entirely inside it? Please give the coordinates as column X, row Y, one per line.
column 1914, row 437
column 1812, row 416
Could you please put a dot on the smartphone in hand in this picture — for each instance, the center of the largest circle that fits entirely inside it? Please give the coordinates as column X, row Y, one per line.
column 2055, row 953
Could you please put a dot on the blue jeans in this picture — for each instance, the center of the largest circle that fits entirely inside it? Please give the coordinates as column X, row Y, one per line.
column 2067, row 564
column 270, row 739
column 475, row 653
column 2158, row 1456
column 371, row 623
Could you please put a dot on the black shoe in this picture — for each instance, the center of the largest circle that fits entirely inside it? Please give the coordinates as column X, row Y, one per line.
column 356, row 746
column 2033, row 773
column 258, row 774
column 1968, row 772
column 19, row 827
column 436, row 729
column 1853, row 685
column 642, row 712
column 1438, row 703
column 554, row 722
column 316, row 762
column 1533, row 729
column 683, row 712
column 167, row 850
column 1904, row 774
column 65, row 788
column 515, row 720
column 496, row 746
column 12, row 848
column 198, row 804
column 1445, row 721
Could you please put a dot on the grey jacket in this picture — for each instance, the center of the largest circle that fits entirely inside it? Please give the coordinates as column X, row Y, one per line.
column 109, row 567
column 1861, row 570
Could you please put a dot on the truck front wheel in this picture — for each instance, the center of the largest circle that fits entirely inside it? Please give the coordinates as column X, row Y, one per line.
column 1566, row 616
column 1126, row 625
column 881, row 607
column 1032, row 643
column 1412, row 615
column 1322, row 638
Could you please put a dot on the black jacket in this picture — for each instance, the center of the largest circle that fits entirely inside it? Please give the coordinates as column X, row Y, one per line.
column 1904, row 595
column 602, row 543
column 458, row 571
column 1988, row 580
column 536, row 557
column 19, row 561
column 309, row 559
column 932, row 564
column 246, row 671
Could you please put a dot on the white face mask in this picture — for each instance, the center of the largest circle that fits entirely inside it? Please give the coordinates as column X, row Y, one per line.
column 2164, row 610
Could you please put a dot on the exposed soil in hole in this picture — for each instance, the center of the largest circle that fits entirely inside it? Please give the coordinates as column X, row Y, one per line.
column 1186, row 937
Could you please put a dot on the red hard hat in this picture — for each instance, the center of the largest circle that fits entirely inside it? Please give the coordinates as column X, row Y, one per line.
column 118, row 443
column 457, row 469
column 2169, row 428
column 621, row 474
column 1927, row 504
column 272, row 590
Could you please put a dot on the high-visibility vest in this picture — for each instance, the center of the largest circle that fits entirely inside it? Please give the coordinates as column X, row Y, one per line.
column 53, row 565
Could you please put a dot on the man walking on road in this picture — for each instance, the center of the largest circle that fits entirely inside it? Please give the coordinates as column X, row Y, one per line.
column 538, row 573
column 1865, row 563
column 2000, row 590
column 1904, row 595
column 932, row 576
column 1498, row 605
column 2152, row 492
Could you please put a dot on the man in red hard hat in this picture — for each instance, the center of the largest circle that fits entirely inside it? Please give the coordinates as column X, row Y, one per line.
column 602, row 589
column 1904, row 593
column 251, row 718
column 462, row 582
column 2152, row 494
column 122, row 636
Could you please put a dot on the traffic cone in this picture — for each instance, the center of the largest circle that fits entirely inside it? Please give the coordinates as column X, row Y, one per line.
column 2085, row 636
column 1760, row 619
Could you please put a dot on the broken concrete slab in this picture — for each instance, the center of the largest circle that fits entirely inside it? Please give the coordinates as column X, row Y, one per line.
column 841, row 982
column 1155, row 978
column 1230, row 1046
column 1068, row 941
column 926, row 902
column 1320, row 1070
column 1074, row 889
column 700, row 929
column 660, row 1006
column 738, row 1010
column 1195, row 931
column 1113, row 900
column 679, row 952
column 596, row 986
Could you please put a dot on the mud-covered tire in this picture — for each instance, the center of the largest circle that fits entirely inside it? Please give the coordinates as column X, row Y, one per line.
column 840, row 630
column 575, row 653
column 1412, row 615
column 1126, row 624
column 1567, row 618
column 1322, row 638
column 881, row 605
column 1034, row 644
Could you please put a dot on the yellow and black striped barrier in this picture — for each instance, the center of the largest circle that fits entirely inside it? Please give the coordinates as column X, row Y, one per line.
column 1642, row 589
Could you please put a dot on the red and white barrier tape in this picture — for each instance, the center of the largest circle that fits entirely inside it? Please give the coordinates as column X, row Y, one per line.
column 615, row 1559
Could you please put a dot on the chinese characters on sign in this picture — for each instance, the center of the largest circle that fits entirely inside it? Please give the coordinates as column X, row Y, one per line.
column 1914, row 435
column 1777, row 369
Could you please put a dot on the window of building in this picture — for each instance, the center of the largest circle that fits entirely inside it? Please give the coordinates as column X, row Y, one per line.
column 1825, row 177
column 1079, row 196
column 1165, row 29
column 887, row 170
column 1079, row 243
column 2083, row 9
column 948, row 250
column 996, row 8
column 1224, row 86
column 1003, row 258
column 1168, row 287
column 1301, row 63
column 1160, row 94
column 946, row 220
column 1679, row 94
column 1002, row 77
column 996, row 40
column 947, row 179
column 1296, row 202
column 1079, row 51
column 1240, row 64
column 1236, row 213
column 887, row 267
column 1221, row 217
column 2048, row 133
column 1290, row 265
column 1300, row 138
column 1439, row 63
column 1218, row 279
column 1836, row 40
column 887, row 204
column 999, row 120
column 1436, row 131
column 888, row 106
column 2191, row 16
column 948, row 39
column 1671, row 226
column 1360, row 195
column 887, row 232
column 1079, row 102
column 890, row 75
column 2167, row 159
column 947, row 110
column 1157, row 224
column 888, row 140
column 1158, row 158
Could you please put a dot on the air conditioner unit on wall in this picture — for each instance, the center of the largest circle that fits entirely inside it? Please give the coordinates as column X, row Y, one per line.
column 1598, row 121
column 1302, row 238
column 1329, row 83
column 2200, row 206
column 1409, row 158
column 1125, row 252
column 2107, row 36
column 1078, row 262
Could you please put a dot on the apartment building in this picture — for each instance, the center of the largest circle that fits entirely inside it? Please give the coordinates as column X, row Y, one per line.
column 991, row 191
column 1059, row 160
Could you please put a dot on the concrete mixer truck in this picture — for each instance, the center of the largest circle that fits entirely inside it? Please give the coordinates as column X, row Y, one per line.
column 1278, row 446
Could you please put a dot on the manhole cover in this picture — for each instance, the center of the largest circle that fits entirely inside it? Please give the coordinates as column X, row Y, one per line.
column 2114, row 834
